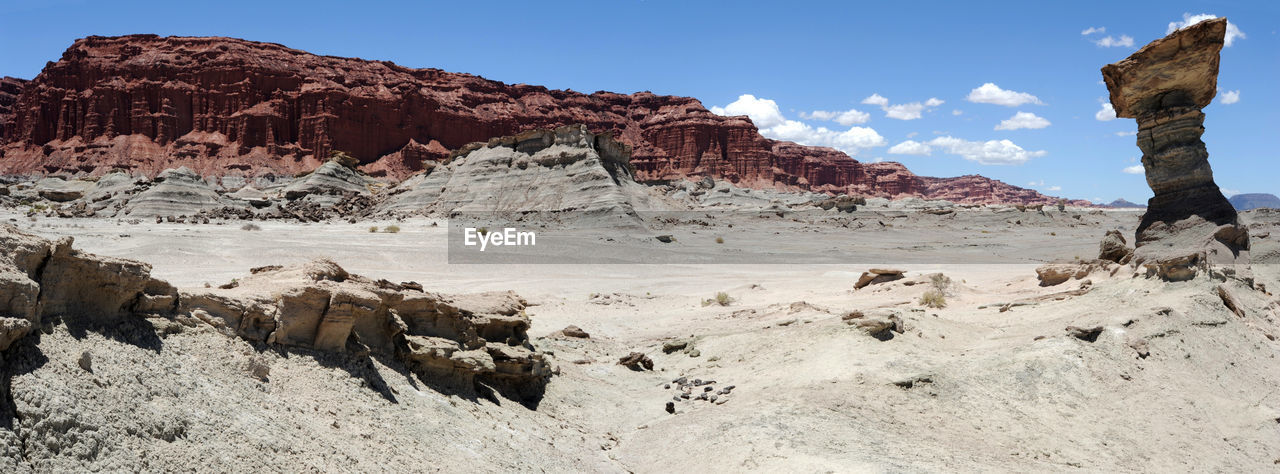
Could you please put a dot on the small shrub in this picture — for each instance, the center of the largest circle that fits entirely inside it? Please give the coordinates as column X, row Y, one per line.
column 940, row 282
column 721, row 299
column 1062, row 204
column 391, row 229
column 482, row 231
column 933, row 299
column 373, row 229
column 250, row 227
column 719, row 240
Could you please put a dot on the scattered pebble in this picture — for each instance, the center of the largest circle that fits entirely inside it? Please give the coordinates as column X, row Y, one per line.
column 86, row 361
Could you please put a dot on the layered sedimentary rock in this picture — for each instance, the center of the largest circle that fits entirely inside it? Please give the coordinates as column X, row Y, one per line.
column 223, row 106
column 1164, row 85
column 318, row 305
column 568, row 168
column 40, row 279
column 467, row 340
column 10, row 88
column 328, row 182
column 175, row 192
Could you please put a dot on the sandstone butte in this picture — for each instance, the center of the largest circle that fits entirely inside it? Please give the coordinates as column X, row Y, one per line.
column 224, row 106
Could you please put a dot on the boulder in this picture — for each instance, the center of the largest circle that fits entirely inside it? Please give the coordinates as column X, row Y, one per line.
column 876, row 276
column 1051, row 274
column 880, row 324
column 1114, row 248
column 636, row 361
column 676, row 345
column 574, row 331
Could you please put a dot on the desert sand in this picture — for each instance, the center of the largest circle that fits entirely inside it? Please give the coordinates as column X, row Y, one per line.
column 992, row 381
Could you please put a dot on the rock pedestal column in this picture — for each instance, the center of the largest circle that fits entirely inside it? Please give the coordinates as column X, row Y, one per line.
column 1189, row 223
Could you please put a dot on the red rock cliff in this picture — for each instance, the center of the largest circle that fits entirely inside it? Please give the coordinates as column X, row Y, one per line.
column 10, row 89
column 225, row 106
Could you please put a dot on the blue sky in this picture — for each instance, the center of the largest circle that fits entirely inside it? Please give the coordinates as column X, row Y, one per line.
column 805, row 57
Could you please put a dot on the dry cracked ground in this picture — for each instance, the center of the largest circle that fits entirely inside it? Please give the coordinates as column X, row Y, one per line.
column 1108, row 371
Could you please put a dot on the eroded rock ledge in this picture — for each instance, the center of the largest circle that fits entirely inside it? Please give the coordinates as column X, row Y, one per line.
column 461, row 341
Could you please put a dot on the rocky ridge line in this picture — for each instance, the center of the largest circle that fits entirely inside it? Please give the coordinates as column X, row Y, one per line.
column 223, row 106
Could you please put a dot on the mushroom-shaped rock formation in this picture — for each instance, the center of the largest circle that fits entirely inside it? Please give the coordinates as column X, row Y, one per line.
column 1164, row 85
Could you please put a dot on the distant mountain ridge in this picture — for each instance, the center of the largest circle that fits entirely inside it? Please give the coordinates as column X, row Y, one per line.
column 1122, row 203
column 1244, row 202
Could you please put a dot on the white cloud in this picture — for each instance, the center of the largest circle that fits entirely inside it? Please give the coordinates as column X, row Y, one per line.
column 1125, row 41
column 763, row 112
column 957, row 112
column 846, row 118
column 1092, row 30
column 990, row 93
column 990, row 152
column 1106, row 114
column 908, row 111
column 877, row 100
column 1034, row 184
column 769, row 119
column 1126, row 134
column 1135, row 169
column 912, row 134
column 1229, row 192
column 850, row 141
column 1053, row 188
column 911, row 147
column 1023, row 120
column 1188, row 19
column 1230, row 97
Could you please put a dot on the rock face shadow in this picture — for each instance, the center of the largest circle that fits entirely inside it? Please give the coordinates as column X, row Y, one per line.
column 23, row 357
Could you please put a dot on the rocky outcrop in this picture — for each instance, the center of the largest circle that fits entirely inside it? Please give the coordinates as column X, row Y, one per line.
column 330, row 179
column 175, row 192
column 876, row 276
column 60, row 190
column 10, row 89
column 226, row 107
column 1051, row 274
column 462, row 341
column 480, row 339
column 1114, row 248
column 42, row 281
column 1164, row 85
column 565, row 169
